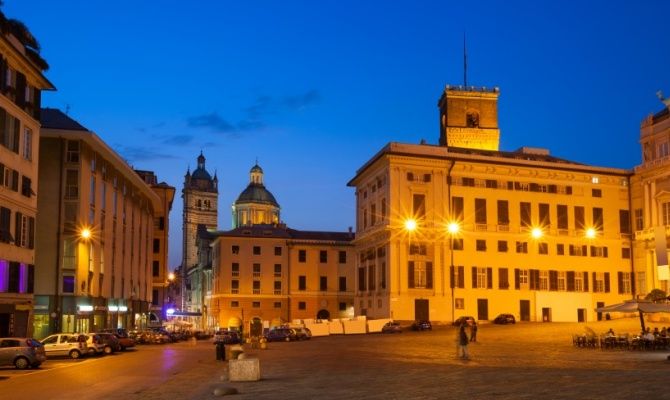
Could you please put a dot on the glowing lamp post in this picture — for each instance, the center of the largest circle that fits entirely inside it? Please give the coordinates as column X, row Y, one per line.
column 590, row 233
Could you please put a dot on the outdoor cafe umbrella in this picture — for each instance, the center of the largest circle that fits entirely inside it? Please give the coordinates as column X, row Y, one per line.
column 641, row 306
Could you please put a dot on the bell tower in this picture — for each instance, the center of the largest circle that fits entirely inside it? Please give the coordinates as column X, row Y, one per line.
column 469, row 117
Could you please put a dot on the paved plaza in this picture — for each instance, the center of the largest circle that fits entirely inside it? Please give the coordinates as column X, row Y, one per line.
column 522, row 361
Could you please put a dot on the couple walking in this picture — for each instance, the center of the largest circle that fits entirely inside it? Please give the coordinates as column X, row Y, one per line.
column 463, row 340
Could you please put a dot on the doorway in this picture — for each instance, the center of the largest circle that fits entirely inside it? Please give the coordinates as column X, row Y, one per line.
column 482, row 309
column 581, row 315
column 524, row 310
column 421, row 310
column 546, row 314
column 600, row 315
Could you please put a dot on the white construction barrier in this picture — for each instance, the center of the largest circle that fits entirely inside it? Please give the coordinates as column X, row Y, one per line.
column 322, row 329
column 335, row 327
column 376, row 325
column 354, row 327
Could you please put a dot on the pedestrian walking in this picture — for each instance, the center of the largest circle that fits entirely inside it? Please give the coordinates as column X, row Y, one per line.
column 463, row 341
column 473, row 331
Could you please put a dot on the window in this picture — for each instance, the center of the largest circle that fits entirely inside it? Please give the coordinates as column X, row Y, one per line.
column 578, row 250
column 5, row 223
column 598, row 218
column 361, row 279
column 323, row 283
column 562, row 217
column 302, row 256
column 468, row 181
column 666, row 213
column 256, row 285
column 601, row 282
column 302, row 282
column 502, row 246
column 27, row 144
column 255, row 304
column 235, row 269
column 481, row 245
column 480, row 277
column 596, row 193
column 256, row 270
column 373, row 214
column 624, row 282
column 503, row 278
column 302, row 305
column 419, row 206
column 420, row 274
column 523, row 278
column 544, row 280
column 157, row 246
column 235, row 249
column 545, row 220
column 560, row 249
column 457, row 243
column 277, row 304
column 156, row 268
column 522, row 247
column 257, row 250
column 599, row 251
column 372, row 281
column 382, row 278
column 234, row 304
column 24, row 230
column 235, row 286
column 480, row 211
column 323, row 256
column 68, row 284
column 457, row 208
column 524, row 212
column 579, row 218
column 383, row 216
column 639, row 219
column 459, row 303
column 410, row 176
column 154, row 297
column 277, row 270
column 491, row 184
column 278, row 251
column 418, row 249
column 625, row 252
column 543, row 248
column 72, row 151
column 503, row 212
column 342, row 306
column 342, row 257
column 342, row 284
column 641, row 282
column 579, row 283
column 561, row 281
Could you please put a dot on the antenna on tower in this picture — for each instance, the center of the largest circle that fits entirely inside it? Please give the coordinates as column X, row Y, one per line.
column 465, row 63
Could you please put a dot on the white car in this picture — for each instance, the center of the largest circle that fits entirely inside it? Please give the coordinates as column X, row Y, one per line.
column 65, row 344
column 94, row 344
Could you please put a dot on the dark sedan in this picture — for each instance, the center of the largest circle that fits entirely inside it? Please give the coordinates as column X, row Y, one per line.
column 280, row 335
column 422, row 325
column 391, row 327
column 505, row 319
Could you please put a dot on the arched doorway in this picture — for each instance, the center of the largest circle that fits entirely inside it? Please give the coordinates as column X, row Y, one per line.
column 323, row 314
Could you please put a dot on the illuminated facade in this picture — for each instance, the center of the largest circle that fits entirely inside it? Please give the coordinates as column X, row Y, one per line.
column 159, row 247
column 95, row 232
column 21, row 83
column 272, row 274
column 536, row 236
column 255, row 205
column 200, row 198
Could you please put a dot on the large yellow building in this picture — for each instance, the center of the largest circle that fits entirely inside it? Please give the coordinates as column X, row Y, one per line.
column 21, row 83
column 95, row 233
column 445, row 231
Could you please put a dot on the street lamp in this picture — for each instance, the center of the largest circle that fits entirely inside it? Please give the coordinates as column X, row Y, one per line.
column 536, row 233
column 590, row 233
column 410, row 225
column 170, row 279
column 453, row 228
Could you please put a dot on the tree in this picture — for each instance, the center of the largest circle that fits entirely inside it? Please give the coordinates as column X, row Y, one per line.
column 656, row 295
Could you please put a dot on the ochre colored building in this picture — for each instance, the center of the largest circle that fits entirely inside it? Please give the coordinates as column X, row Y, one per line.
column 462, row 228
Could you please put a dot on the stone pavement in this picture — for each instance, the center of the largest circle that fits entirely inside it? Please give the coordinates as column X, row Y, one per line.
column 522, row 361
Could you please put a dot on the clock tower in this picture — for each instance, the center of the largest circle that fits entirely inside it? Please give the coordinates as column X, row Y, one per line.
column 469, row 117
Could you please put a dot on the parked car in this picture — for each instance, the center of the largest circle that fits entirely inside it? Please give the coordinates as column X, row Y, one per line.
column 227, row 337
column 422, row 325
column 466, row 319
column 65, row 344
column 302, row 333
column 22, row 353
column 121, row 334
column 391, row 327
column 280, row 335
column 505, row 319
column 94, row 344
column 111, row 342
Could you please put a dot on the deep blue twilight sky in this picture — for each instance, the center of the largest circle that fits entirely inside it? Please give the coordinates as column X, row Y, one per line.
column 314, row 89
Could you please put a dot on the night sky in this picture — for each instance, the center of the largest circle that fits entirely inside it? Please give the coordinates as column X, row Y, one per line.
column 314, row 89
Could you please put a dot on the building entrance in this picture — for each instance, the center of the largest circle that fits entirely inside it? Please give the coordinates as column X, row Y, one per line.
column 421, row 310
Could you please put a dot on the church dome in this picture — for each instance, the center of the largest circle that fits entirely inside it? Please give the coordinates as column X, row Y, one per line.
column 256, row 168
column 256, row 193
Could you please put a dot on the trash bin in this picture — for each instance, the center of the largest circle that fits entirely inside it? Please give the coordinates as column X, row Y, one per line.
column 220, row 351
